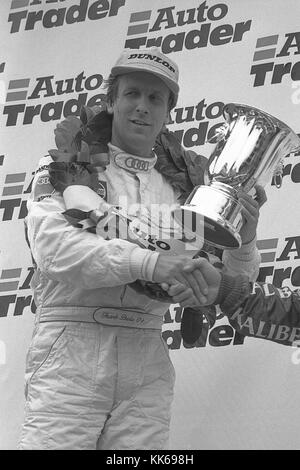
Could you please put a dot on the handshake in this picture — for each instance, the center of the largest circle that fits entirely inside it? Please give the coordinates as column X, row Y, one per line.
column 190, row 282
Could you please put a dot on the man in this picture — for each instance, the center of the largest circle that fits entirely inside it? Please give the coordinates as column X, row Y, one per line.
column 254, row 309
column 98, row 372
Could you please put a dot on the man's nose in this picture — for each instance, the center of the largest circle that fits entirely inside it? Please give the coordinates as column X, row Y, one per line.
column 142, row 105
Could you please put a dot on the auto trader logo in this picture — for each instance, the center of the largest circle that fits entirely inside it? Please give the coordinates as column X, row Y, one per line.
column 13, row 196
column 13, row 283
column 26, row 90
column 146, row 28
column 279, row 260
column 18, row 89
column 2, row 84
column 268, row 49
column 31, row 14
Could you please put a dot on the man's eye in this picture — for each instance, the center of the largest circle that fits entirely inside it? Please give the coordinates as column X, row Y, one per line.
column 156, row 98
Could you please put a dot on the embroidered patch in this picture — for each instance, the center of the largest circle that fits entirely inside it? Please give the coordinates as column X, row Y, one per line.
column 42, row 187
column 137, row 164
column 102, row 189
column 133, row 163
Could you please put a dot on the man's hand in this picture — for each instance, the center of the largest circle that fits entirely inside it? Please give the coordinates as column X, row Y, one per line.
column 182, row 270
column 250, row 213
column 181, row 294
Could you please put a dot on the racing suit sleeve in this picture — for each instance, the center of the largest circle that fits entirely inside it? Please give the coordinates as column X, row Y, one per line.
column 244, row 260
column 261, row 310
column 68, row 254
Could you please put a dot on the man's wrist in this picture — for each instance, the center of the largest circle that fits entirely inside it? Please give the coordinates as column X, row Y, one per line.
column 250, row 240
column 248, row 246
column 244, row 253
column 149, row 265
column 231, row 289
column 142, row 263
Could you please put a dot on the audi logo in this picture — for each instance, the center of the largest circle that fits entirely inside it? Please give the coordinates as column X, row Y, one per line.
column 137, row 164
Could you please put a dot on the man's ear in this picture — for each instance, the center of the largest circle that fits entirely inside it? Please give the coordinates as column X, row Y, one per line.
column 168, row 119
column 109, row 108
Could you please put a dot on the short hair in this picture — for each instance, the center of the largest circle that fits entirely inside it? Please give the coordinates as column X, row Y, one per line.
column 112, row 83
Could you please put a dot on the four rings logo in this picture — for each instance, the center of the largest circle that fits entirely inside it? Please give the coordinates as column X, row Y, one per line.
column 145, row 27
column 136, row 164
column 29, row 14
column 43, row 180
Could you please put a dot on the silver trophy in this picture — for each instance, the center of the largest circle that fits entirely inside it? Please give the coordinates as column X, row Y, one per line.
column 251, row 145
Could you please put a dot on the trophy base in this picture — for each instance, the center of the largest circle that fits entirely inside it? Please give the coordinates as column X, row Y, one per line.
column 213, row 212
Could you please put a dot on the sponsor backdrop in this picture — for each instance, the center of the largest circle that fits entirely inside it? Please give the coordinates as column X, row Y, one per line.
column 232, row 392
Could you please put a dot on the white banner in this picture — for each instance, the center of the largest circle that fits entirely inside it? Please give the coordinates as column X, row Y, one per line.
column 232, row 392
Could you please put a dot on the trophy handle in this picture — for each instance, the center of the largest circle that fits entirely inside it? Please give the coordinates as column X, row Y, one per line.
column 278, row 174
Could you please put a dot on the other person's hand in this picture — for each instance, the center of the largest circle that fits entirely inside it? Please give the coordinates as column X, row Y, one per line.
column 180, row 293
column 250, row 213
column 172, row 270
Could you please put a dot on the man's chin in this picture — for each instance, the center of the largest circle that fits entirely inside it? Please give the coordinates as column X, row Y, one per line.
column 139, row 139
column 139, row 146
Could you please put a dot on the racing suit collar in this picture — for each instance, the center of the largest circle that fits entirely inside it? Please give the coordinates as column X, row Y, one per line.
column 129, row 162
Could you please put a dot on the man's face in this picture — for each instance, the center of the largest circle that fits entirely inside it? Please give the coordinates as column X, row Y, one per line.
column 139, row 112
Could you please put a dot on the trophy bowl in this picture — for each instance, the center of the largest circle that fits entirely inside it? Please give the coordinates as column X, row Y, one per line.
column 250, row 145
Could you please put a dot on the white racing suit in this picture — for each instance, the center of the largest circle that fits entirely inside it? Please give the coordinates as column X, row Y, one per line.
column 98, row 372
